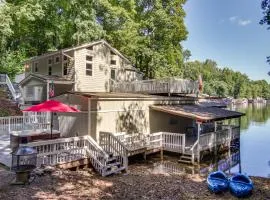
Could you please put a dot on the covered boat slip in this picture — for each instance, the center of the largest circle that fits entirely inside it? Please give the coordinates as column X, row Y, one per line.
column 199, row 129
column 208, row 127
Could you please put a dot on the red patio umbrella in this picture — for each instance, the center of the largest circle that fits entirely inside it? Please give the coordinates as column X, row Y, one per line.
column 51, row 106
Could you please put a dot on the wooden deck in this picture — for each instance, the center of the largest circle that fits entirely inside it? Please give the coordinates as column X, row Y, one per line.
column 157, row 86
column 183, row 144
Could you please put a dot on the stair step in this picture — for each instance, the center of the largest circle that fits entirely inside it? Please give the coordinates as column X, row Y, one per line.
column 185, row 161
column 186, row 157
column 115, row 164
column 110, row 154
column 111, row 160
column 118, row 170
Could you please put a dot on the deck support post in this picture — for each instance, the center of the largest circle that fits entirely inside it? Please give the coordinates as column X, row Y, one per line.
column 230, row 140
column 161, row 153
column 144, row 155
column 215, row 146
column 240, row 167
column 198, row 136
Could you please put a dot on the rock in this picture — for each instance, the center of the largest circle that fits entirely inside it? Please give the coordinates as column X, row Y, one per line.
column 49, row 169
column 38, row 171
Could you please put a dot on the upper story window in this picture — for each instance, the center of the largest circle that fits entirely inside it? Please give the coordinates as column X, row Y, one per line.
column 35, row 67
column 89, row 65
column 57, row 59
column 113, row 74
column 49, row 70
column 113, row 62
column 49, row 61
column 89, row 69
column 90, row 48
column 89, row 58
column 65, row 58
column 50, row 66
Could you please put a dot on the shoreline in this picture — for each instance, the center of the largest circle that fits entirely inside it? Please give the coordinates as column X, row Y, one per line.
column 141, row 182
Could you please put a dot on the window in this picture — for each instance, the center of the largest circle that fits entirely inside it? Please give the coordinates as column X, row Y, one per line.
column 50, row 70
column 65, row 69
column 113, row 74
column 57, row 59
column 49, row 61
column 113, row 62
column 36, row 67
column 89, row 58
column 64, row 58
column 89, row 69
column 90, row 48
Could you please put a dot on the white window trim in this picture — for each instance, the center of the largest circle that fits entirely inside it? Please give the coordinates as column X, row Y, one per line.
column 49, row 65
column 50, row 58
column 58, row 59
column 34, row 68
column 89, row 62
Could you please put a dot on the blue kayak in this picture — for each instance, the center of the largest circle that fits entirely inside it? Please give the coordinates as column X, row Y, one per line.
column 241, row 185
column 217, row 182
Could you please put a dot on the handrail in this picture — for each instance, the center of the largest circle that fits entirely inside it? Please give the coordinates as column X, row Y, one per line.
column 10, row 86
column 194, row 145
column 112, row 144
column 53, row 152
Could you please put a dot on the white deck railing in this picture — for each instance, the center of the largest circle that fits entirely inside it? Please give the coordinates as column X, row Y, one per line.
column 156, row 86
column 64, row 150
column 174, row 142
column 209, row 140
column 167, row 141
column 30, row 121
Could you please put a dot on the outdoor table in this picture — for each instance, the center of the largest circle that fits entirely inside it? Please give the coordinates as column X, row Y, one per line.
column 25, row 136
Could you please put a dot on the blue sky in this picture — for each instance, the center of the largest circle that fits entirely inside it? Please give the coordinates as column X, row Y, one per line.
column 229, row 32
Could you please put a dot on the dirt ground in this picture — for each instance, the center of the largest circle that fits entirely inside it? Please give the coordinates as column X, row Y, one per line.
column 139, row 183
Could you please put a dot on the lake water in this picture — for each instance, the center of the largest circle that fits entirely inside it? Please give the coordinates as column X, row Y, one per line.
column 251, row 157
column 255, row 139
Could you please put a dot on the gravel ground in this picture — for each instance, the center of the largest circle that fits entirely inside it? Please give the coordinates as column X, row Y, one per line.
column 141, row 182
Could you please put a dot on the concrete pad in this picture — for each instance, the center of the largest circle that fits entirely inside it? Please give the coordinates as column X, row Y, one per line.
column 5, row 150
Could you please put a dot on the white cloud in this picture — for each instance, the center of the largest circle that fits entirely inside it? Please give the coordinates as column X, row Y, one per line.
column 233, row 18
column 239, row 21
column 244, row 22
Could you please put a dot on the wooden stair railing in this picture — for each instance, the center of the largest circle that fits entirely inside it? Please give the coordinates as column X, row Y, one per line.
column 64, row 150
column 111, row 144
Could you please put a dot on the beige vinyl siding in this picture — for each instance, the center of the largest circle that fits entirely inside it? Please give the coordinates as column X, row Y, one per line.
column 131, row 116
column 42, row 63
column 118, row 116
column 99, row 81
column 101, row 69
column 160, row 121
column 73, row 124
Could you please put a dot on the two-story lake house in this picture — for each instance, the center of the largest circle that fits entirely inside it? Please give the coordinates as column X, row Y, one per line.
column 120, row 114
column 91, row 67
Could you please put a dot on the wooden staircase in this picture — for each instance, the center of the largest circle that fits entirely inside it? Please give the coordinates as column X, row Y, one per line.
column 186, row 158
column 65, row 150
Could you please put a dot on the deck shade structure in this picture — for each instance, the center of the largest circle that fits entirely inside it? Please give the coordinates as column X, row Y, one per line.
column 51, row 106
column 198, row 113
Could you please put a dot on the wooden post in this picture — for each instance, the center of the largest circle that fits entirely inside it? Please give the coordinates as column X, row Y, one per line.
column 161, row 153
column 198, row 146
column 215, row 147
column 230, row 140
column 240, row 167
